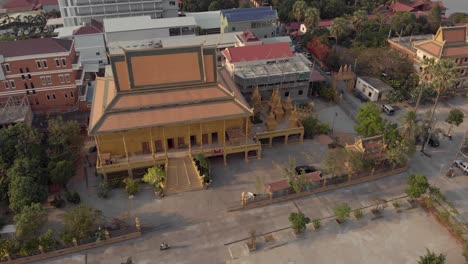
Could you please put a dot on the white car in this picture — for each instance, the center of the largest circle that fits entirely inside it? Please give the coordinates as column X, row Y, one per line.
column 463, row 165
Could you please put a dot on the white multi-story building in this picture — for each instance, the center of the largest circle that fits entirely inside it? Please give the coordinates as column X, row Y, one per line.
column 76, row 12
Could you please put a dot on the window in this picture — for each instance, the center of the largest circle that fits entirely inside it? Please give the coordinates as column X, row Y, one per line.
column 21, row 70
column 53, row 96
column 38, row 64
column 7, row 67
column 286, row 94
column 233, row 28
column 98, row 53
column 43, row 80
column 32, row 86
column 172, row 3
column 44, row 63
column 100, row 62
column 465, row 60
column 26, row 86
column 62, row 80
column 27, row 69
column 300, row 92
column 64, row 62
column 72, row 95
column 12, row 84
column 22, row 77
column 27, row 93
column 34, row 91
column 67, row 77
column 57, row 62
column 48, row 97
column 29, row 76
column 7, row 86
column 65, row 94
column 37, row 101
column 49, row 79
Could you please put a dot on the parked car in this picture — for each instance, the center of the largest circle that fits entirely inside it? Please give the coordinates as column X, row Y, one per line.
column 361, row 97
column 388, row 109
column 433, row 141
column 463, row 165
column 305, row 168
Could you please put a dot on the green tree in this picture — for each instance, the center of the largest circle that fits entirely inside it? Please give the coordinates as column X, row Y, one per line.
column 403, row 23
column 431, row 258
column 435, row 16
column 61, row 172
column 417, row 185
column 298, row 221
column 156, row 176
column 399, row 153
column 459, row 17
column 299, row 9
column 64, row 139
column 298, row 182
column 391, row 134
column 339, row 29
column 29, row 222
column 358, row 18
column 455, row 117
column 342, row 211
column 81, row 222
column 214, row 6
column 355, row 162
column 369, row 121
column 425, row 84
column 443, row 74
column 333, row 163
column 131, row 186
column 311, row 19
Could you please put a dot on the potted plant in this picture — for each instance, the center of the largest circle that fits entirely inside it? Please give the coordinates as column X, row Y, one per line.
column 342, row 212
column 298, row 222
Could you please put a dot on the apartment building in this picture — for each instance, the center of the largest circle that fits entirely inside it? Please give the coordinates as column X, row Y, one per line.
column 46, row 71
column 75, row 12
column 262, row 21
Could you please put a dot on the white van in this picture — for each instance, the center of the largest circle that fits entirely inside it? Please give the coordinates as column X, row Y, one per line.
column 388, row 109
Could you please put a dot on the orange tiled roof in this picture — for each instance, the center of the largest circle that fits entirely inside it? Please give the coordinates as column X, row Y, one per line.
column 448, row 41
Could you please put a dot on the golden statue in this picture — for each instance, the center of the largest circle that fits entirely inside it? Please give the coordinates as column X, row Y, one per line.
column 288, row 106
column 271, row 122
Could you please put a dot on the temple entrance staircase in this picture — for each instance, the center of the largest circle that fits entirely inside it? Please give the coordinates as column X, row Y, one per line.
column 182, row 176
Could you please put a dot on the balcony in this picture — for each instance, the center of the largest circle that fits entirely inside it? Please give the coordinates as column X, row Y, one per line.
column 76, row 64
column 79, row 77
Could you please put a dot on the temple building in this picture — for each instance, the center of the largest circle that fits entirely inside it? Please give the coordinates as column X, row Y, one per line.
column 155, row 106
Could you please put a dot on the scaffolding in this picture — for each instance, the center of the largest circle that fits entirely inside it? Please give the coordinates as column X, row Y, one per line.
column 16, row 110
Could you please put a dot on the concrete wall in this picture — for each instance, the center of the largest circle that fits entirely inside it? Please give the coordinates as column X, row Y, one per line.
column 370, row 92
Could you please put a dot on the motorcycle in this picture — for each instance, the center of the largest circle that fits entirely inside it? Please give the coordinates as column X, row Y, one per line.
column 164, row 246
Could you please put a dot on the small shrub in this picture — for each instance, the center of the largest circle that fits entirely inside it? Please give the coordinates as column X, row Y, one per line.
column 396, row 204
column 342, row 211
column 58, row 202
column 103, row 190
column 73, row 197
column 358, row 214
column 444, row 217
column 298, row 221
column 47, row 240
column 29, row 247
column 317, row 224
column 252, row 244
column 428, row 202
column 131, row 186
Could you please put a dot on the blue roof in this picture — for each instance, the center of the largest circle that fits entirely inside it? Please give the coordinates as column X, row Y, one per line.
column 249, row 14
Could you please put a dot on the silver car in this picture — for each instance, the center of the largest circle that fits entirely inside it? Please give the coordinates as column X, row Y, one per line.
column 463, row 165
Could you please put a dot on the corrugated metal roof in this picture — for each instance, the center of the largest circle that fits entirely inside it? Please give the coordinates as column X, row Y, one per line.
column 145, row 22
column 207, row 20
column 218, row 40
column 249, row 14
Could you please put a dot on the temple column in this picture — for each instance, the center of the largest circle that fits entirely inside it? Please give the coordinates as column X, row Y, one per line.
column 152, row 143
column 125, row 146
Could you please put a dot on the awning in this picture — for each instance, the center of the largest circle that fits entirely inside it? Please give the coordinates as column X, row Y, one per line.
column 91, row 67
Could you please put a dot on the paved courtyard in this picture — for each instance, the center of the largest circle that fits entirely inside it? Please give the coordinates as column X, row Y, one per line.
column 396, row 238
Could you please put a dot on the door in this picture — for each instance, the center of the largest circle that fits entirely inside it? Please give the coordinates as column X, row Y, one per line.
column 159, row 146
column 193, row 140
column 205, row 139
column 145, row 147
column 214, row 138
column 170, row 143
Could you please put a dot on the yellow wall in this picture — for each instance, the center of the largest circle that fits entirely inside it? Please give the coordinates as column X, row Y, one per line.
column 114, row 143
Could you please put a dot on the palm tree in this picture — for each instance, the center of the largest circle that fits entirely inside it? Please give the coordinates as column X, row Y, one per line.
column 312, row 18
column 443, row 74
column 339, row 28
column 409, row 127
column 424, row 80
column 299, row 9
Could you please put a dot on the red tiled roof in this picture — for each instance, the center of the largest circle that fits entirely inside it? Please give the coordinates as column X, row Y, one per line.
column 428, row 4
column 325, row 23
column 19, row 3
column 258, row 52
column 34, row 46
column 85, row 30
column 248, row 36
column 399, row 7
column 97, row 25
